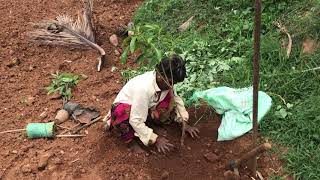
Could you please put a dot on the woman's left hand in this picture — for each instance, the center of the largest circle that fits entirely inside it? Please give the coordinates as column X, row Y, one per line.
column 193, row 131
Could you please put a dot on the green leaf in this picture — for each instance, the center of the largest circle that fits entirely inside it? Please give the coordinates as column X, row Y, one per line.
column 151, row 26
column 282, row 113
column 67, row 79
column 133, row 44
column 149, row 40
column 158, row 53
column 124, row 55
column 289, row 105
column 140, row 58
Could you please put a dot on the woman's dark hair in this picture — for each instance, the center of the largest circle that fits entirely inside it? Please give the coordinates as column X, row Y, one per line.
column 177, row 66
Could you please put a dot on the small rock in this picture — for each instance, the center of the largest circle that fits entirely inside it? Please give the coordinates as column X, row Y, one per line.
column 13, row 62
column 198, row 161
column 216, row 151
column 14, row 152
column 116, row 52
column 229, row 175
column 62, row 115
column 211, row 157
column 55, row 96
column 31, row 68
column 83, row 76
column 5, row 153
column 30, row 100
column 189, row 148
column 26, row 168
column 11, row 52
column 114, row 40
column 130, row 33
column 43, row 115
column 165, row 175
column 57, row 161
column 82, row 170
column 43, row 161
column 130, row 25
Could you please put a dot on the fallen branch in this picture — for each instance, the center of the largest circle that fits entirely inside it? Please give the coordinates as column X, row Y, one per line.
column 87, row 125
column 70, row 129
column 70, row 135
column 283, row 29
column 14, row 130
column 185, row 25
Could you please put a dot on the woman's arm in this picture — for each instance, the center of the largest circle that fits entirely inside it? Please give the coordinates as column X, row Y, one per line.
column 181, row 112
column 138, row 117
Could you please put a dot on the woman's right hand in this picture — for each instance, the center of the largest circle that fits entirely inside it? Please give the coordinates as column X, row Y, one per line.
column 163, row 145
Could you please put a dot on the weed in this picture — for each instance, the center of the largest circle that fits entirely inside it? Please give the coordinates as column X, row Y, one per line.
column 63, row 83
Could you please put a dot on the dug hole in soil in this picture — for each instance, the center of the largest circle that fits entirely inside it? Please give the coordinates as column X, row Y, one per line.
column 26, row 71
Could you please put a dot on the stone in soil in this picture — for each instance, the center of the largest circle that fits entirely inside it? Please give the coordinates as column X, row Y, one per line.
column 211, row 157
column 114, row 40
column 26, row 168
column 13, row 62
column 165, row 175
column 30, row 100
column 43, row 115
column 43, row 161
column 62, row 115
column 55, row 96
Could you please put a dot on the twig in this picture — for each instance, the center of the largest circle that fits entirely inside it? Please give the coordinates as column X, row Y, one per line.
column 70, row 129
column 14, row 130
column 283, row 29
column 63, row 127
column 185, row 25
column 75, row 160
column 70, row 135
column 284, row 101
column 183, row 133
column 198, row 120
column 207, row 109
column 87, row 125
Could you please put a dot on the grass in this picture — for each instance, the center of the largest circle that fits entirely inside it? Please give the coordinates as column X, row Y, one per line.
column 218, row 50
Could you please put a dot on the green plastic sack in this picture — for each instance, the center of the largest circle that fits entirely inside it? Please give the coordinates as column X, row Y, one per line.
column 235, row 105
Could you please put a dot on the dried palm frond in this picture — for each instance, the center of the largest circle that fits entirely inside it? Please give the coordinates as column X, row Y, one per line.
column 64, row 31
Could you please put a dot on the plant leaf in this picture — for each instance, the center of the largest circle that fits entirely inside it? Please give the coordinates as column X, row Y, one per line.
column 158, row 53
column 140, row 58
column 133, row 44
column 124, row 55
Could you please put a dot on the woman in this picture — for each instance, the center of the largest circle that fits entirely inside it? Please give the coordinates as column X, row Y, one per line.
column 150, row 99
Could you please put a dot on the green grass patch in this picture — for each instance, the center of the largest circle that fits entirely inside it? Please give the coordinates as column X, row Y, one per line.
column 218, row 49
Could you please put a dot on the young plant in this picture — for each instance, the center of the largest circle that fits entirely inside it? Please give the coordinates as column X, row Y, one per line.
column 144, row 41
column 63, row 83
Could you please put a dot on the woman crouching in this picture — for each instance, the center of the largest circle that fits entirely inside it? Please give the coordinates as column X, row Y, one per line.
column 147, row 100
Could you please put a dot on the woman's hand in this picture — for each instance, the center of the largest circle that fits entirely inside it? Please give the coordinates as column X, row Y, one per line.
column 163, row 145
column 193, row 131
